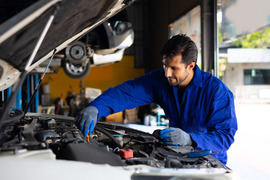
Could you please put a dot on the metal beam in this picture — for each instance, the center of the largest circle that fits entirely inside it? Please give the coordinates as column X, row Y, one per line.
column 209, row 36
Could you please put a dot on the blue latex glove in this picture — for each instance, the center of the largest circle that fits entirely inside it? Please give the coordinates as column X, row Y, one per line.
column 87, row 119
column 175, row 137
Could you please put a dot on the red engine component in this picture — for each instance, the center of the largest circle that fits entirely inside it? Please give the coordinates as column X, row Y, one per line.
column 125, row 153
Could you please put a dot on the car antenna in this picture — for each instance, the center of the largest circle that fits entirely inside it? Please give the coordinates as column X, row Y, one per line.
column 38, row 85
column 6, row 117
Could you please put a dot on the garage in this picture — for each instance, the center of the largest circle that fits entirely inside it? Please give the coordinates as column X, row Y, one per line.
column 143, row 89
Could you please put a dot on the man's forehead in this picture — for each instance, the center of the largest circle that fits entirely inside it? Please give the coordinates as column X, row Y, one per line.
column 176, row 58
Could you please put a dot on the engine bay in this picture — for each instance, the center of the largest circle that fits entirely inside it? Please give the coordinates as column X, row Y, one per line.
column 57, row 137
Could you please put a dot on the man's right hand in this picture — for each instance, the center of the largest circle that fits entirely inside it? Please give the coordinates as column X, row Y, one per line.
column 87, row 119
column 175, row 136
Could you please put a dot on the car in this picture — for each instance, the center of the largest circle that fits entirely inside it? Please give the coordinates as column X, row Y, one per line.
column 103, row 45
column 43, row 146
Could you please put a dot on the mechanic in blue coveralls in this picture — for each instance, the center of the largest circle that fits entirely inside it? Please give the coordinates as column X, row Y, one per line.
column 200, row 108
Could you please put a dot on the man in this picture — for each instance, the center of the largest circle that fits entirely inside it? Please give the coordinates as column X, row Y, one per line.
column 199, row 106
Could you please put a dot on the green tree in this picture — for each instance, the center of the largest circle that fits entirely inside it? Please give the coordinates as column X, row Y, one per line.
column 259, row 39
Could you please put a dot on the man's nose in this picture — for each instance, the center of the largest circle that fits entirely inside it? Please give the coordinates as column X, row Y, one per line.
column 168, row 72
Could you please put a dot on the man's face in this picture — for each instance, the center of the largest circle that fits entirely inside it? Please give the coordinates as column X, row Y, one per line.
column 177, row 73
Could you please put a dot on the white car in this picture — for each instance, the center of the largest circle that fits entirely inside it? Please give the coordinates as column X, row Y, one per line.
column 103, row 45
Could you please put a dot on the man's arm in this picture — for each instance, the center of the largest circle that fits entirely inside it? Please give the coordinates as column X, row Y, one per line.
column 221, row 126
column 130, row 94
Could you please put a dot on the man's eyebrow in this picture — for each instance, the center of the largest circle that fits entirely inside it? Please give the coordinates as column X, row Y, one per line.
column 169, row 66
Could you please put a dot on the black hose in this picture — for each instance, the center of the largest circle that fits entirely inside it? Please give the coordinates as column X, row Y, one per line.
column 108, row 135
column 143, row 153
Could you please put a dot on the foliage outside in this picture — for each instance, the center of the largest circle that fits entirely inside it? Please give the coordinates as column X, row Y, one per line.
column 260, row 39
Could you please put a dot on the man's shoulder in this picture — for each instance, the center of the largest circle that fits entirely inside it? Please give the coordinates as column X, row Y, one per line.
column 155, row 79
column 154, row 74
column 212, row 81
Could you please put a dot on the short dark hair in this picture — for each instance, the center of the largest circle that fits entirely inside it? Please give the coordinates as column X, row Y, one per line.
column 181, row 45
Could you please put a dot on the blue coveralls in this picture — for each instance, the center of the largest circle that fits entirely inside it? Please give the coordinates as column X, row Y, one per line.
column 206, row 112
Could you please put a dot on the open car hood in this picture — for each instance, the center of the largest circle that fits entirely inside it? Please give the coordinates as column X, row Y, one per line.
column 20, row 33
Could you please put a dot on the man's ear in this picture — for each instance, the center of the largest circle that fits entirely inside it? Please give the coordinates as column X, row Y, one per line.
column 191, row 65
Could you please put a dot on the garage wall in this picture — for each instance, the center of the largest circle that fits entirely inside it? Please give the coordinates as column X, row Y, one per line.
column 102, row 77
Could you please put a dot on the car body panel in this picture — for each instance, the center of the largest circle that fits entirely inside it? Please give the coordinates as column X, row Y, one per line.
column 70, row 170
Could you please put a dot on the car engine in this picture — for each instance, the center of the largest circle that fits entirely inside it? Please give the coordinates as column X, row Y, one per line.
column 57, row 137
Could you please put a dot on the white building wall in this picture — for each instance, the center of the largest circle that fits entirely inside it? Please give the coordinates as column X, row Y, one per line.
column 234, row 79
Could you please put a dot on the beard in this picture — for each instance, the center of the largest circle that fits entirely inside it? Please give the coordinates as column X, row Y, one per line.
column 177, row 82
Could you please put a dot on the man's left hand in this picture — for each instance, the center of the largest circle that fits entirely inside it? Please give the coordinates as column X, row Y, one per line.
column 87, row 119
column 175, row 137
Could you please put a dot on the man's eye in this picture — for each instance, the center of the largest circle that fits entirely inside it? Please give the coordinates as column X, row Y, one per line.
column 173, row 68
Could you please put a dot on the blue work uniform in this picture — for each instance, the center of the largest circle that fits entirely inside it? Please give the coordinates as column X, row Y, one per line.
column 206, row 110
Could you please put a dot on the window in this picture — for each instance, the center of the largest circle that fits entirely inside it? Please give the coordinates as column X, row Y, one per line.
column 256, row 76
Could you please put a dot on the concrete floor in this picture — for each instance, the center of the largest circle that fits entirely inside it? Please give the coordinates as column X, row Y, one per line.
column 249, row 156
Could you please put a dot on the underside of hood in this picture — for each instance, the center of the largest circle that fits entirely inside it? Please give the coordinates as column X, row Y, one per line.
column 74, row 18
